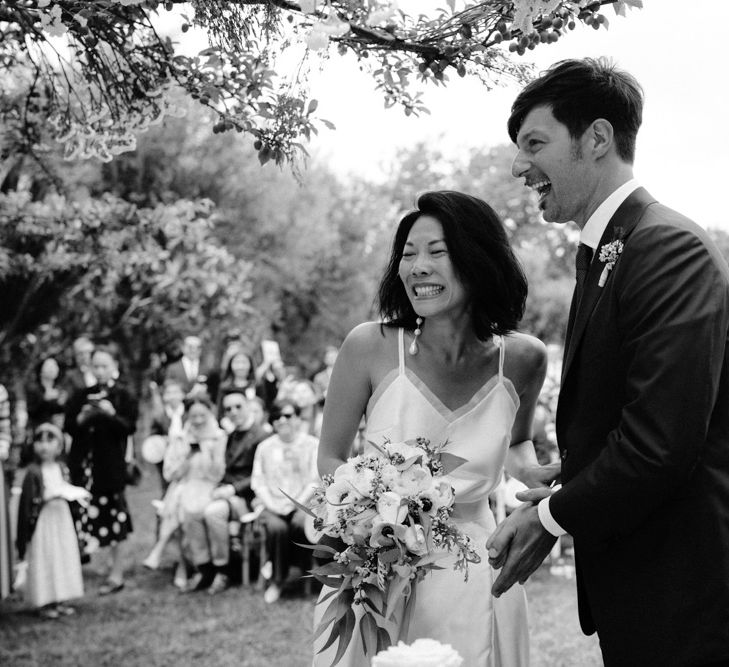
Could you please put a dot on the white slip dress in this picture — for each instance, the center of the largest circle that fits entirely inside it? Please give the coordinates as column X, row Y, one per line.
column 486, row 631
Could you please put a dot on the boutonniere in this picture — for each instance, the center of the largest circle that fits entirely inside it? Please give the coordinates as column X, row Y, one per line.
column 609, row 254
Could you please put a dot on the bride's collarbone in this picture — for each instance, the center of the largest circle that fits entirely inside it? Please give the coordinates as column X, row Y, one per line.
column 461, row 377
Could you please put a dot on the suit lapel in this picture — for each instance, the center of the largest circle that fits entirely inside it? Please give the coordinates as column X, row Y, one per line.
column 626, row 217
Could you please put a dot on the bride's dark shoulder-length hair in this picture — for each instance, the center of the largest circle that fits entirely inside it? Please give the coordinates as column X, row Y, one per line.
column 482, row 259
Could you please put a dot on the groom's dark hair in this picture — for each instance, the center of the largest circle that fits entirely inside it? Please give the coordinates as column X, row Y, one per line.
column 482, row 258
column 581, row 91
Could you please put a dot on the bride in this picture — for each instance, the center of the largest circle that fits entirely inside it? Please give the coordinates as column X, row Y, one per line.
column 447, row 365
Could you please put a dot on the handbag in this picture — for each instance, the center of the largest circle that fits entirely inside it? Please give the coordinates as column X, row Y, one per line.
column 132, row 472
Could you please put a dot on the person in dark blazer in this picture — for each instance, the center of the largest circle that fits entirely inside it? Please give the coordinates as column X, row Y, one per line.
column 190, row 372
column 81, row 375
column 99, row 420
column 232, row 498
column 643, row 412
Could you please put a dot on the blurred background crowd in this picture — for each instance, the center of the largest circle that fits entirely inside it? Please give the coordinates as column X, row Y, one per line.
column 230, row 439
column 199, row 425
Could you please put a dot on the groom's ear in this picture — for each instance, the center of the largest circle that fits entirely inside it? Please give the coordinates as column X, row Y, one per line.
column 601, row 137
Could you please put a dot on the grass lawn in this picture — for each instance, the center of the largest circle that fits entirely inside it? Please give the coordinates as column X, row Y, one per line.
column 149, row 624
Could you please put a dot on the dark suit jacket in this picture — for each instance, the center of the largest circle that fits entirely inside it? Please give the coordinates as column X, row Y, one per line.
column 239, row 454
column 643, row 428
column 102, row 438
column 29, row 508
column 205, row 376
column 73, row 380
column 160, row 424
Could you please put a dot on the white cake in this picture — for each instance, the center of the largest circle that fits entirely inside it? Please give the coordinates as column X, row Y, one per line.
column 421, row 653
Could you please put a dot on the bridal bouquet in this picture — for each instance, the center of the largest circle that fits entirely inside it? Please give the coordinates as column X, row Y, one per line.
column 390, row 513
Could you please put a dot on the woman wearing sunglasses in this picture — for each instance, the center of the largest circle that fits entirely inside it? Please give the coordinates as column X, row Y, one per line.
column 284, row 465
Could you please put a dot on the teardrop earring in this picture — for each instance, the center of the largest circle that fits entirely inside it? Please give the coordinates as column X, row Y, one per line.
column 413, row 349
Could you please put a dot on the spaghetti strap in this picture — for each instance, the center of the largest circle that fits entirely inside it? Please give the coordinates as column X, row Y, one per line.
column 501, row 344
column 401, row 350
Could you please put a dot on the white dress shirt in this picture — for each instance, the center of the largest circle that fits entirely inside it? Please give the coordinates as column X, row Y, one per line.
column 590, row 235
column 89, row 377
column 175, row 416
column 191, row 367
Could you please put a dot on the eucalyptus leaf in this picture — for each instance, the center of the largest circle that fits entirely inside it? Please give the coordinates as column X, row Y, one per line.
column 368, row 632
column 398, row 591
column 329, row 616
column 347, row 629
column 451, row 462
column 379, row 449
column 373, row 593
column 302, row 507
column 330, row 594
column 384, row 640
column 333, row 635
column 409, row 462
column 332, row 568
column 332, row 582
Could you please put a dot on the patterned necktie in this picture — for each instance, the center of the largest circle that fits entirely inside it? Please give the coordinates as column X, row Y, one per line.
column 582, row 266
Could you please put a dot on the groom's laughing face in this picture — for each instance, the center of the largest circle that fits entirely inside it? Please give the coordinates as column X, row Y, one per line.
column 551, row 163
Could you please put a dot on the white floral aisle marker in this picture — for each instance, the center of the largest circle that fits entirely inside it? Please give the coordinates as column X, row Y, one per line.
column 421, row 653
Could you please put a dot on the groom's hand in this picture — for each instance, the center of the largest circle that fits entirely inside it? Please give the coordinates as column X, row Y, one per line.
column 534, row 495
column 519, row 544
column 539, row 477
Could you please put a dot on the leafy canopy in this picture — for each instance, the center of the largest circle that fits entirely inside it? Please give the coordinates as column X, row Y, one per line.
column 92, row 74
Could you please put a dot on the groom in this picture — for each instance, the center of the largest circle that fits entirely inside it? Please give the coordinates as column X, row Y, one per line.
column 643, row 415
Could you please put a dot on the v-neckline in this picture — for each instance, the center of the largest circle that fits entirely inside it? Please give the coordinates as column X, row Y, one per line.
column 447, row 413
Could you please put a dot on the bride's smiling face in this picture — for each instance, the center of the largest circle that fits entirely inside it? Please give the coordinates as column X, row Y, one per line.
column 427, row 272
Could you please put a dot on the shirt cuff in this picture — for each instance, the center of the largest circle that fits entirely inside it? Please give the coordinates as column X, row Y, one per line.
column 548, row 522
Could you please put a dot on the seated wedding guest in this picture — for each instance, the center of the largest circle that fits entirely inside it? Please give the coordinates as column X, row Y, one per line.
column 239, row 375
column 301, row 392
column 285, row 463
column 169, row 418
column 47, row 541
column 270, row 374
column 6, row 550
column 99, row 420
column 304, row 396
column 259, row 414
column 181, row 464
column 194, row 465
column 233, row 496
column 81, row 375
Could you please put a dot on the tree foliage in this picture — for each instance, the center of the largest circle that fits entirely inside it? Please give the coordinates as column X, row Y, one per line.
column 92, row 74
column 137, row 276
column 314, row 244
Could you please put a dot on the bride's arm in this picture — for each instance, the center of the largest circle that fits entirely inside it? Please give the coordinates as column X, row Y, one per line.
column 528, row 369
column 349, row 390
